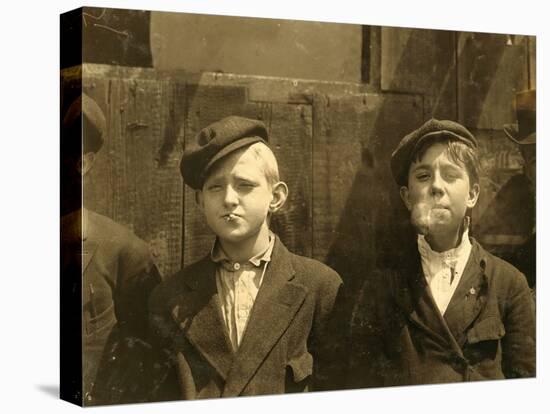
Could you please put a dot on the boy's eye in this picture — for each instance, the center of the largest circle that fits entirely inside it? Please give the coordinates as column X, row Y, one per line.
column 423, row 176
column 452, row 175
column 213, row 187
column 246, row 184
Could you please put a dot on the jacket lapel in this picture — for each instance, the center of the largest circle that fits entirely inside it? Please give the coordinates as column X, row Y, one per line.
column 278, row 300
column 469, row 297
column 425, row 314
column 413, row 296
column 198, row 314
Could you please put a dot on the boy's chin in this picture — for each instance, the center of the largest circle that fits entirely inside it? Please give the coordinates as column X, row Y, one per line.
column 236, row 236
column 232, row 237
column 435, row 224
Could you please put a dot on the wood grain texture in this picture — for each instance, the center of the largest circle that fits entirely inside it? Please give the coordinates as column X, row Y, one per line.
column 532, row 44
column 491, row 69
column 290, row 132
column 131, row 182
column 357, row 213
column 423, row 62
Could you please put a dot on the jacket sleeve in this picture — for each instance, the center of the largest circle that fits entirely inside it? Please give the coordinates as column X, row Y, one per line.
column 519, row 342
column 326, row 334
column 123, row 374
column 138, row 276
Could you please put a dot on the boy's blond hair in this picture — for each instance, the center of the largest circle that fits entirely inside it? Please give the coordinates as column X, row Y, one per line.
column 264, row 154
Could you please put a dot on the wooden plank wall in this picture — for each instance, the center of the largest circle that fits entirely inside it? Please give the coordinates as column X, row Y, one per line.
column 421, row 62
column 356, row 208
column 132, row 181
column 333, row 141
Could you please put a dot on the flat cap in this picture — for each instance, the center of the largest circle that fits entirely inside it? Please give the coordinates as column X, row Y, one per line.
column 433, row 129
column 215, row 142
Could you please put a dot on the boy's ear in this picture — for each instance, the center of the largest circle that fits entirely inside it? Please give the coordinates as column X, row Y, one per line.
column 280, row 194
column 473, row 196
column 404, row 193
column 199, row 199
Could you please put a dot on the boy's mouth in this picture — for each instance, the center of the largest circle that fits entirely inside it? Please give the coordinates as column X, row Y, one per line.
column 424, row 216
column 230, row 216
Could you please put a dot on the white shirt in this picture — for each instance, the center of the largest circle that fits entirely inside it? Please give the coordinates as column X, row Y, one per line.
column 444, row 270
column 238, row 284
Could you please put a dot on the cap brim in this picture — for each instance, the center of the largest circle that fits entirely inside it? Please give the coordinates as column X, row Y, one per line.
column 512, row 132
column 442, row 134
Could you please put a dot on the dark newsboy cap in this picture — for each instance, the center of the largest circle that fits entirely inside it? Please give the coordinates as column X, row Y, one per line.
column 434, row 130
column 215, row 142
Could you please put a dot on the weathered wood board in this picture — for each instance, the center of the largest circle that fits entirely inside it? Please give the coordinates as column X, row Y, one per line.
column 419, row 61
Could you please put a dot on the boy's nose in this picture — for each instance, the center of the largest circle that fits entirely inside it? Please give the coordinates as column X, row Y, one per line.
column 230, row 197
column 437, row 184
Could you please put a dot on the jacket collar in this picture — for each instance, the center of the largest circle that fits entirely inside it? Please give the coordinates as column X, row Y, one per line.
column 412, row 294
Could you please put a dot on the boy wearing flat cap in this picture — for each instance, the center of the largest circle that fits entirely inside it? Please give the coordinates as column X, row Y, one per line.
column 450, row 311
column 248, row 318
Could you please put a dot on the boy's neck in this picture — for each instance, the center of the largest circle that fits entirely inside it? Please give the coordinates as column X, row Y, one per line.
column 246, row 249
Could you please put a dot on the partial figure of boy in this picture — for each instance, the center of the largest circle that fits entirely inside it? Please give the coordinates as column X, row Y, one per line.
column 248, row 318
column 116, row 268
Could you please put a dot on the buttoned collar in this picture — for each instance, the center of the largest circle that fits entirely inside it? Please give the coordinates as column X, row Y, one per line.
column 218, row 255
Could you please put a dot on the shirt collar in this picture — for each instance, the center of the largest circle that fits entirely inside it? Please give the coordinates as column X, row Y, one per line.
column 217, row 254
column 448, row 256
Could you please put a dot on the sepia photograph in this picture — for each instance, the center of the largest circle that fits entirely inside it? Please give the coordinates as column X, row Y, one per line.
column 275, row 207
column 255, row 206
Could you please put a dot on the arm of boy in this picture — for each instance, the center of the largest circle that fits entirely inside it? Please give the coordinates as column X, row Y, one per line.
column 519, row 343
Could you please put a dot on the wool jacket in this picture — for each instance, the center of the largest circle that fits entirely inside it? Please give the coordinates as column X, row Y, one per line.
column 399, row 337
column 278, row 352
